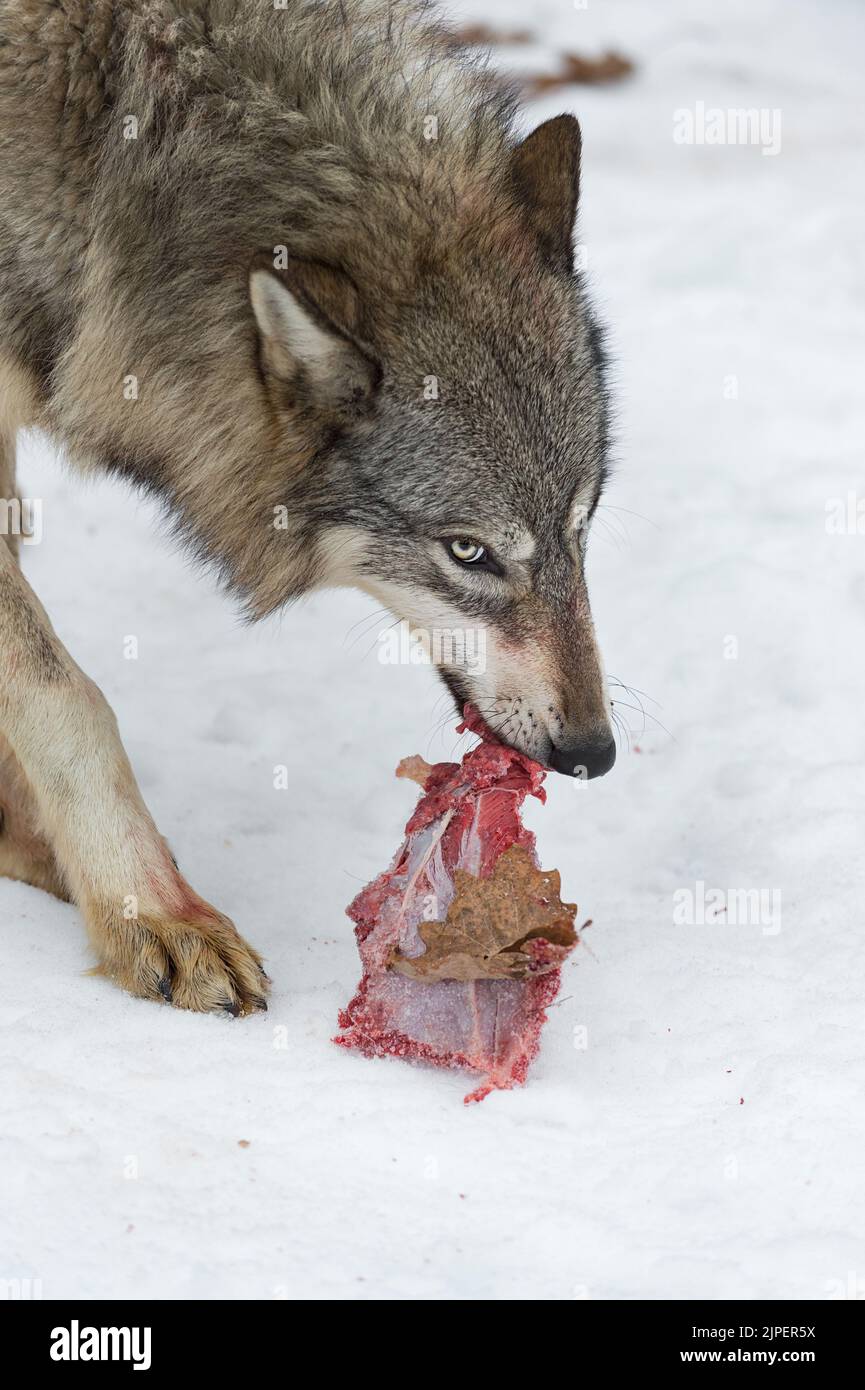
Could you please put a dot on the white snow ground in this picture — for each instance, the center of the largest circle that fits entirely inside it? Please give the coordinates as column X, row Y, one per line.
column 707, row 1139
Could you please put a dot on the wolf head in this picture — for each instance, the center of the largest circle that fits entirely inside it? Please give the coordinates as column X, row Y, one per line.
column 458, row 430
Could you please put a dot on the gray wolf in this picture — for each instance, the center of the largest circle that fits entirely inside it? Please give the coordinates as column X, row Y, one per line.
column 288, row 267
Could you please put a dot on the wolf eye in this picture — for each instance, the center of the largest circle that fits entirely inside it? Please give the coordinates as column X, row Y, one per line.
column 471, row 555
column 467, row 552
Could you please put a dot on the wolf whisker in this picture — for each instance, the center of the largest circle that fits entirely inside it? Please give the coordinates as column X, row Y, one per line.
column 611, row 507
column 633, row 690
column 622, row 728
column 622, row 704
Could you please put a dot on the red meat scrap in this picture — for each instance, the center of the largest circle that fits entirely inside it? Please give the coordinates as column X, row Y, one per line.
column 462, row 939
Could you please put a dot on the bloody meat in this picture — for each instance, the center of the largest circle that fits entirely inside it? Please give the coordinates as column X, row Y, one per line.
column 466, row 819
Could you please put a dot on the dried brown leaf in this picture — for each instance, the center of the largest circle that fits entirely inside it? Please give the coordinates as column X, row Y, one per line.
column 610, row 67
column 495, row 926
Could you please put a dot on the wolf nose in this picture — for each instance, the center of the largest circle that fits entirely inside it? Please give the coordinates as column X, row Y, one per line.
column 584, row 759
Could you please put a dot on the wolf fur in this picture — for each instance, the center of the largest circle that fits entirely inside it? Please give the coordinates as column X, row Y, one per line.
column 291, row 271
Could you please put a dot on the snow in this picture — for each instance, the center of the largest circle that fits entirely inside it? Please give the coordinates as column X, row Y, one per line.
column 694, row 1123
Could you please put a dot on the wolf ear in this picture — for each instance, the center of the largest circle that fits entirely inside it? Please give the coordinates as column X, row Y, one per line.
column 306, row 315
column 546, row 169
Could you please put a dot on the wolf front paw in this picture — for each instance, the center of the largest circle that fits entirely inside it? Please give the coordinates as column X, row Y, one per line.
column 197, row 962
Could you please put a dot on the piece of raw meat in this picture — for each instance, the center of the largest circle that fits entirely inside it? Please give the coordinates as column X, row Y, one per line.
column 463, row 937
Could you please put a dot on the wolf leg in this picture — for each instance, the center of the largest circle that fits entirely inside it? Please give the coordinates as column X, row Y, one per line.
column 68, row 785
column 24, row 853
